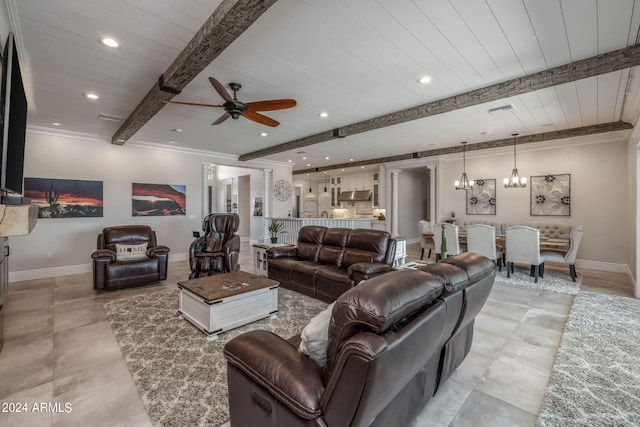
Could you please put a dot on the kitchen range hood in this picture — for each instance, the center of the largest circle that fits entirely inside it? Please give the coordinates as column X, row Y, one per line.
column 355, row 196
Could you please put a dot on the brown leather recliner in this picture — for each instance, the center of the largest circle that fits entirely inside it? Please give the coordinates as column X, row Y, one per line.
column 110, row 272
column 218, row 250
column 392, row 340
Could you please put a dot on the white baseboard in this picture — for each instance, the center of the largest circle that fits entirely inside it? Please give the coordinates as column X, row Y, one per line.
column 65, row 270
column 603, row 266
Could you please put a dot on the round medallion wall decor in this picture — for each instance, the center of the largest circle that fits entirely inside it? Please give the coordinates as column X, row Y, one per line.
column 282, row 190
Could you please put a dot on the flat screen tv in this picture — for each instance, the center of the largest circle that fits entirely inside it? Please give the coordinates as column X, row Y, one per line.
column 14, row 121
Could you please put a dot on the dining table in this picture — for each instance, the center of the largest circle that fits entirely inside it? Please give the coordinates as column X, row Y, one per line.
column 546, row 244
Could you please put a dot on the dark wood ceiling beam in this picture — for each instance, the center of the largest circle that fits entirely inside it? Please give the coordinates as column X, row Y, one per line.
column 594, row 66
column 496, row 143
column 230, row 19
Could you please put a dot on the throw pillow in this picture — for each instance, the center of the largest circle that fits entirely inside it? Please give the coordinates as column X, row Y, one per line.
column 131, row 252
column 314, row 336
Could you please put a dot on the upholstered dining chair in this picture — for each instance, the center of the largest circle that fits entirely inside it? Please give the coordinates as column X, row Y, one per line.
column 523, row 246
column 451, row 233
column 481, row 239
column 575, row 235
column 425, row 242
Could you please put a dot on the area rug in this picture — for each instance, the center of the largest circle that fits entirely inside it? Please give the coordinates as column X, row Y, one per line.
column 181, row 377
column 595, row 380
column 553, row 281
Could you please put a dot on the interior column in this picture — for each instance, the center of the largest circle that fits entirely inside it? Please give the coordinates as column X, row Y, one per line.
column 394, row 201
column 267, row 198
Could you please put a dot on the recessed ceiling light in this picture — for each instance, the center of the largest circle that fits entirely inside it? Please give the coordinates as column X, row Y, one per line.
column 109, row 42
column 263, row 134
column 289, row 160
column 90, row 95
column 361, row 167
column 326, row 158
column 177, row 130
column 351, row 160
column 172, row 142
column 324, row 114
column 485, row 132
column 304, row 158
column 308, row 164
column 424, row 80
column 342, row 170
column 55, row 124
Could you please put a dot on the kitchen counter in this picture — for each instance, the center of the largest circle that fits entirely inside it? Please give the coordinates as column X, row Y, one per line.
column 293, row 225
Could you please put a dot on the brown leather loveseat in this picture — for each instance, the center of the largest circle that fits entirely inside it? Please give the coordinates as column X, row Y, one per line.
column 392, row 340
column 329, row 261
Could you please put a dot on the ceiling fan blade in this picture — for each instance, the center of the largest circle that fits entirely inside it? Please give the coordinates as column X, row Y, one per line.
column 221, row 119
column 221, row 90
column 273, row 104
column 259, row 118
column 195, row 104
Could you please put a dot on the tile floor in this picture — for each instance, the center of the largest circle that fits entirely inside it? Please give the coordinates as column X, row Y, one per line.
column 60, row 351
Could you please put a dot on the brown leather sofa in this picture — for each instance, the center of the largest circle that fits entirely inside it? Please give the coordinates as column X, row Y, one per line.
column 329, row 261
column 392, row 340
column 111, row 273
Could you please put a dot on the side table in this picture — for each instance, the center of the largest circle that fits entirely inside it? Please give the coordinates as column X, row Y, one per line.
column 260, row 265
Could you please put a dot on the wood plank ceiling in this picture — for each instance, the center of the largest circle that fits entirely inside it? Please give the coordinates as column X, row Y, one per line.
column 356, row 60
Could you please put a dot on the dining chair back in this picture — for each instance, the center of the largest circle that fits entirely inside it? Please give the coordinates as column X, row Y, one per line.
column 569, row 258
column 425, row 242
column 451, row 233
column 523, row 246
column 481, row 239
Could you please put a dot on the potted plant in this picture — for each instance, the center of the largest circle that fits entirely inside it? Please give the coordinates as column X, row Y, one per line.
column 275, row 228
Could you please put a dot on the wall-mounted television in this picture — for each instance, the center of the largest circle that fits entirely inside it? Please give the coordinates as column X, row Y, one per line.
column 13, row 114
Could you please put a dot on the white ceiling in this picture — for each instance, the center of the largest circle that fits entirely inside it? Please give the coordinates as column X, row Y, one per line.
column 354, row 59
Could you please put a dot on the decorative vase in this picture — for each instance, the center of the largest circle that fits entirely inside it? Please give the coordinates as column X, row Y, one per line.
column 443, row 244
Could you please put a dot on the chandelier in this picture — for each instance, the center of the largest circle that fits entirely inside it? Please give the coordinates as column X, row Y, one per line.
column 515, row 181
column 464, row 183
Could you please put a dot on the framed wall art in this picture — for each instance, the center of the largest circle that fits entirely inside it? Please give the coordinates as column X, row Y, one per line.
column 158, row 199
column 65, row 198
column 551, row 195
column 257, row 207
column 481, row 199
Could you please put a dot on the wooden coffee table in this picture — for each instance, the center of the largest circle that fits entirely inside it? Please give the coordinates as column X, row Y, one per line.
column 217, row 303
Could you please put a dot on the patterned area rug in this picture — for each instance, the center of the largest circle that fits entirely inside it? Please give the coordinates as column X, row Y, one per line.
column 182, row 377
column 595, row 379
column 553, row 281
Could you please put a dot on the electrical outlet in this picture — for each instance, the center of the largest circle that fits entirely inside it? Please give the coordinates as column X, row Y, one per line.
column 49, row 255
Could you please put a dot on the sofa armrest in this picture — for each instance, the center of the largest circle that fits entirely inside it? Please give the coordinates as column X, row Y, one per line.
column 275, row 364
column 104, row 255
column 366, row 270
column 282, row 252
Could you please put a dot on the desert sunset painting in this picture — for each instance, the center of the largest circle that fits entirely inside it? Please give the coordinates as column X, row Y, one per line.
column 65, row 198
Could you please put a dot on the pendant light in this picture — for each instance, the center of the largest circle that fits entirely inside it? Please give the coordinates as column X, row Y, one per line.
column 464, row 183
column 515, row 181
column 310, row 194
column 325, row 193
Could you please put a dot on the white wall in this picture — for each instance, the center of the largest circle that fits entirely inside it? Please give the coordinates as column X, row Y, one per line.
column 599, row 191
column 412, row 191
column 72, row 240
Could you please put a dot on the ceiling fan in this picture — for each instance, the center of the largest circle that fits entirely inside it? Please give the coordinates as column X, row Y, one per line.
column 234, row 108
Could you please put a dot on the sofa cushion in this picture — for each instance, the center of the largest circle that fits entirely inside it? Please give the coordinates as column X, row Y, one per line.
column 313, row 339
column 332, row 249
column 377, row 304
